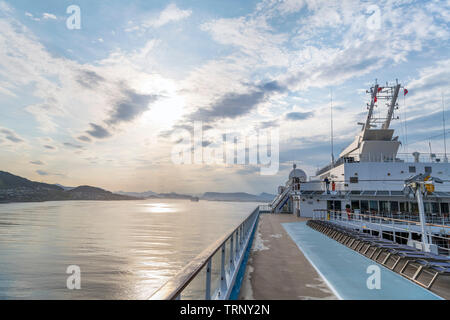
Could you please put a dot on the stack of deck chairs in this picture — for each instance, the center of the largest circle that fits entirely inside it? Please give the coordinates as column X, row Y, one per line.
column 429, row 270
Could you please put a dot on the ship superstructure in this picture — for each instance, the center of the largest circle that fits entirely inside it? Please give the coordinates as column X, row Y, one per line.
column 370, row 176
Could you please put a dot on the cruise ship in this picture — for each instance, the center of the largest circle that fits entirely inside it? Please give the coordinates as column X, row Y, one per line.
column 371, row 177
column 372, row 224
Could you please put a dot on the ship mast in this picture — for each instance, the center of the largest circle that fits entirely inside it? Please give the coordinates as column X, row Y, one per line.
column 372, row 104
column 389, row 93
column 391, row 107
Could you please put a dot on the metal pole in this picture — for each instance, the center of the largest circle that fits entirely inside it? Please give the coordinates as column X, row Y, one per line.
column 231, row 254
column 421, row 213
column 208, row 281
column 223, row 282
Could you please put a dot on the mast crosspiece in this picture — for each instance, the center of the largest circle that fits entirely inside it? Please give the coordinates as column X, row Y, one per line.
column 388, row 93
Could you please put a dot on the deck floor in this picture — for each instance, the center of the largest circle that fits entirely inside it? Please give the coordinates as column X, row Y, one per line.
column 277, row 269
column 291, row 261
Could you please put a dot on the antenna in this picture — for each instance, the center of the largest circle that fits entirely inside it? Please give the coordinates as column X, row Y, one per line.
column 331, row 113
column 406, row 127
column 431, row 153
column 443, row 125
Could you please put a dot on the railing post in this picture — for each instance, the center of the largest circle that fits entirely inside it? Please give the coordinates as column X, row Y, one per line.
column 237, row 241
column 231, row 254
column 208, row 281
column 223, row 280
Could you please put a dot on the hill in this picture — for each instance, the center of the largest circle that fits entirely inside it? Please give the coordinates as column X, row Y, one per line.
column 17, row 189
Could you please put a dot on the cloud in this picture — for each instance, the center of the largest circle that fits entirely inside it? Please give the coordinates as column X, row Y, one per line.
column 38, row 163
column 252, row 36
column 170, row 14
column 89, row 79
column 11, row 135
column 295, row 116
column 230, row 106
column 84, row 139
column 45, row 16
column 97, row 132
column 233, row 105
column 49, row 147
column 48, row 16
column 45, row 173
column 130, row 106
column 42, row 173
column 72, row 145
column 268, row 124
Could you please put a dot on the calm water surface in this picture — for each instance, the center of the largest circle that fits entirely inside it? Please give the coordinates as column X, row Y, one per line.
column 125, row 249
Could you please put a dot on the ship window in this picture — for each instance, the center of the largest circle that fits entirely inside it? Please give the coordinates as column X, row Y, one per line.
column 337, row 205
column 394, row 206
column 412, row 169
column 414, row 207
column 384, row 206
column 444, row 208
column 403, row 207
column 427, row 169
column 353, row 179
column 334, row 205
column 355, row 205
column 373, row 206
column 364, row 206
column 428, row 208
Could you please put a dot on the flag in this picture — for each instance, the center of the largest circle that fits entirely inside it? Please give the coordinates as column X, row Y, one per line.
column 405, row 92
column 375, row 99
column 380, row 88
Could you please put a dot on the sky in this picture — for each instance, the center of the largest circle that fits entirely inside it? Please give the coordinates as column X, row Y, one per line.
column 105, row 104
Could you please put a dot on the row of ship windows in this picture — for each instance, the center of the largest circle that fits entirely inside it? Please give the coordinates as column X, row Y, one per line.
column 412, row 169
column 374, row 206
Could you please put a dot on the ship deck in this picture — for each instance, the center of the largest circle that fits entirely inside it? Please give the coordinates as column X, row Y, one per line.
column 291, row 261
column 277, row 269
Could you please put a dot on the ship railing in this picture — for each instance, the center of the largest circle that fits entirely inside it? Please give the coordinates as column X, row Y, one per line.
column 277, row 201
column 265, row 208
column 385, row 157
column 212, row 275
column 392, row 228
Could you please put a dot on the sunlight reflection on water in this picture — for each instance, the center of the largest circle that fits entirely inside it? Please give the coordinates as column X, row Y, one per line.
column 125, row 249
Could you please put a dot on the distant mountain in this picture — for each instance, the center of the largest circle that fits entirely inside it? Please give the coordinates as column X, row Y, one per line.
column 211, row 196
column 237, row 196
column 92, row 193
column 267, row 196
column 143, row 195
column 64, row 187
column 174, row 195
column 17, row 189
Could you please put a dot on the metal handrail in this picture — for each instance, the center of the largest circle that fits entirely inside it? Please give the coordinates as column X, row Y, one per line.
column 280, row 197
column 354, row 220
column 173, row 288
column 383, row 218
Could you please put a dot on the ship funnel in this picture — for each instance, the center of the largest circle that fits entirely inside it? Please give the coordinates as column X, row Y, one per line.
column 416, row 156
